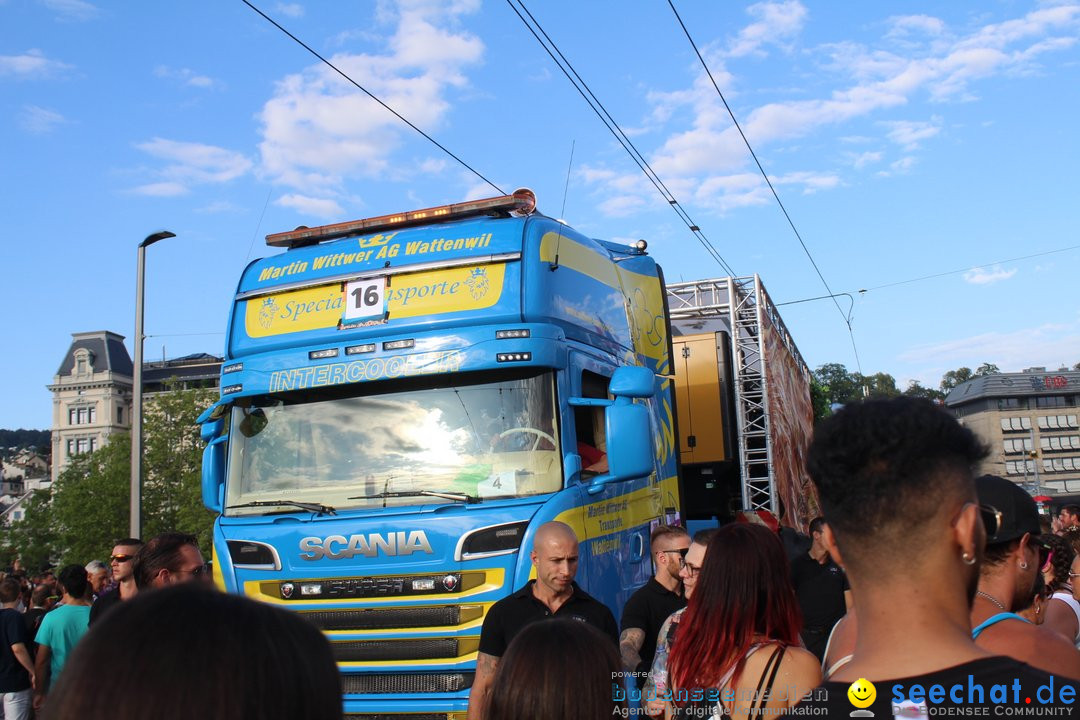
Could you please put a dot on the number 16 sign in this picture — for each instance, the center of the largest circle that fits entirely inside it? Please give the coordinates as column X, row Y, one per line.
column 365, row 298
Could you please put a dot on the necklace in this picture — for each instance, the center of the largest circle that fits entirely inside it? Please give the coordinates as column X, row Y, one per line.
column 991, row 598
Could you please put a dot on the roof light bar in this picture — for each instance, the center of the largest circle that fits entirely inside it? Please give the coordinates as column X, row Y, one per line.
column 523, row 201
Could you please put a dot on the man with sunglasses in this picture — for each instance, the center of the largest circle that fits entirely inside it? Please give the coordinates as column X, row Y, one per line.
column 122, row 563
column 1014, row 555
column 653, row 602
column 168, row 559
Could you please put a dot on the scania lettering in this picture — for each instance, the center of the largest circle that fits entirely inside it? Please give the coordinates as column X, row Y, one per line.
column 313, row 548
column 405, row 399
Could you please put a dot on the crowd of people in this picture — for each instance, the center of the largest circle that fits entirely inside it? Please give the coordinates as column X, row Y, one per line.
column 921, row 591
column 145, row 627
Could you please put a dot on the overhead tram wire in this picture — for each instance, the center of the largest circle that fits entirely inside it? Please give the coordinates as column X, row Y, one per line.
column 847, row 320
column 367, row 92
column 613, row 127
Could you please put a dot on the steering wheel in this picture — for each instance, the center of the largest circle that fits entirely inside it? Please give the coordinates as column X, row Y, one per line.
column 540, row 435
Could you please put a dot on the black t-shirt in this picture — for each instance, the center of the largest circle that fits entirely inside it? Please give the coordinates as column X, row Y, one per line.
column 13, row 676
column 508, row 616
column 820, row 590
column 991, row 687
column 647, row 609
column 103, row 603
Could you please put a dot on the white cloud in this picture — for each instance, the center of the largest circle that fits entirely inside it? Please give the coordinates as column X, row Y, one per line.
column 920, row 58
column 867, row 158
column 777, row 22
column 982, row 276
column 1043, row 345
column 292, row 10
column 31, row 64
column 318, row 129
column 905, row 25
column 192, row 164
column 319, row 207
column 72, row 9
column 185, row 76
column 909, row 134
column 39, row 120
column 161, row 189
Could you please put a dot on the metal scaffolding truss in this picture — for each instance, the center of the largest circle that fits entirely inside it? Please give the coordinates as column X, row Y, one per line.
column 740, row 306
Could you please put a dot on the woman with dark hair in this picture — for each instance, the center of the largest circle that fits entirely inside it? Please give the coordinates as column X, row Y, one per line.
column 1062, row 611
column 188, row 651
column 739, row 638
column 560, row 668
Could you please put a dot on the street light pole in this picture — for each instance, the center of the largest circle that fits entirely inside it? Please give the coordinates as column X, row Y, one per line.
column 136, row 395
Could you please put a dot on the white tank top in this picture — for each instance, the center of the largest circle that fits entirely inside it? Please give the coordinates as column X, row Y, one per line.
column 1069, row 600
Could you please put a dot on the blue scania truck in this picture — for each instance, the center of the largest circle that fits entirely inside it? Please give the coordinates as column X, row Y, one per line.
column 404, row 400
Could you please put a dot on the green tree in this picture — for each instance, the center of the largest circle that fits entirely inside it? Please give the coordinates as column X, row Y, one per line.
column 32, row 538
column 90, row 502
column 987, row 369
column 172, row 461
column 955, row 377
column 839, row 385
column 879, row 385
column 819, row 400
column 916, row 389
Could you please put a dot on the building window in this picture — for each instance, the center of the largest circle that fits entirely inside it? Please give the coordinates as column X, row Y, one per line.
column 1020, row 467
column 1060, row 442
column 1010, row 403
column 119, row 416
column 1055, row 465
column 1016, row 424
column 1018, row 445
column 1053, row 401
column 84, row 415
column 1055, row 422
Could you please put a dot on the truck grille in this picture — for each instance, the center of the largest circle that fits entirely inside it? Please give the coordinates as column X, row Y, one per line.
column 419, row 649
column 400, row 683
column 385, row 618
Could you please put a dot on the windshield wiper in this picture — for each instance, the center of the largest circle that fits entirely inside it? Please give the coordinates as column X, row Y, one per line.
column 317, row 508
column 458, row 497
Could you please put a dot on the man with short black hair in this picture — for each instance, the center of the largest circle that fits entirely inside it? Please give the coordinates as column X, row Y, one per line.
column 1068, row 517
column 894, row 478
column 168, row 559
column 122, row 562
column 653, row 602
column 61, row 629
column 821, row 587
column 16, row 667
column 1013, row 558
column 552, row 594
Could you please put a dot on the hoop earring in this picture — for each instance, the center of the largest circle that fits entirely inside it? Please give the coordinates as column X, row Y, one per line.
column 968, row 558
column 1023, row 565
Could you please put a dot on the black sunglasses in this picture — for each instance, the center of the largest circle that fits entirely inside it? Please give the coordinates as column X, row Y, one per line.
column 991, row 518
column 120, row 558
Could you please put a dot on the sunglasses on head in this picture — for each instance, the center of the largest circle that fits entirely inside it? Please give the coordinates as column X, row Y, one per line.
column 120, row 558
column 991, row 518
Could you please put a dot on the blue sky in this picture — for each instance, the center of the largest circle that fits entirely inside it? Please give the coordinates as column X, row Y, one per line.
column 906, row 139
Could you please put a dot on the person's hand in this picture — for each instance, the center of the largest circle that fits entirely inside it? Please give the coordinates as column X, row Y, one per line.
column 39, row 700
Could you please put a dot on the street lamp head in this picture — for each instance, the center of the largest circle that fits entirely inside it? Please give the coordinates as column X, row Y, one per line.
column 160, row 235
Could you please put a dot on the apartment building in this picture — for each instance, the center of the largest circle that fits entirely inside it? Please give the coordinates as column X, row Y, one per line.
column 1029, row 420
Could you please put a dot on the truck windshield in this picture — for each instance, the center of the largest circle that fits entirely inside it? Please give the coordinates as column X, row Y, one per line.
column 470, row 442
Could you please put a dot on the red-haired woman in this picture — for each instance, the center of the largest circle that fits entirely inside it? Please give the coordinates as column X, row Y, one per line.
column 737, row 649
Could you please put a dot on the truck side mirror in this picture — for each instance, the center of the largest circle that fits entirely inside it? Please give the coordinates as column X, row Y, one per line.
column 627, row 429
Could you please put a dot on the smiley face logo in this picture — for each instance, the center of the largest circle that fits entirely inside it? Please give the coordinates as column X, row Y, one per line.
column 862, row 693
